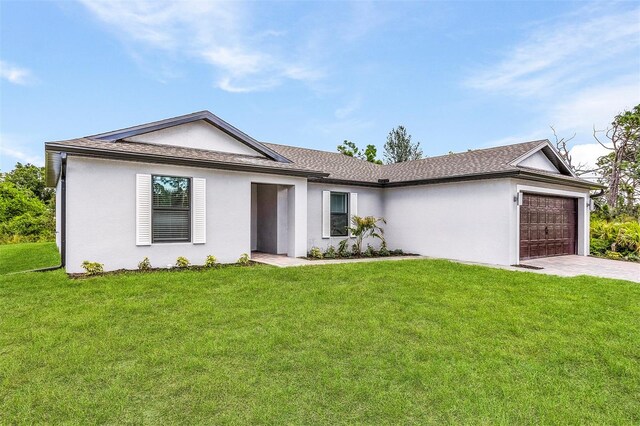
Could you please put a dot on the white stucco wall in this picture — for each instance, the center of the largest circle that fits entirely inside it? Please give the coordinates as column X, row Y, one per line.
column 370, row 203
column 101, row 214
column 464, row 220
column 198, row 134
column 539, row 161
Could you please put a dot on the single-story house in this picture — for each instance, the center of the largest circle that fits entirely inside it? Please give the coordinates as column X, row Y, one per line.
column 195, row 185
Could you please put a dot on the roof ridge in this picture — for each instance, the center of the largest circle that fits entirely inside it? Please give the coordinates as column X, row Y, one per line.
column 320, row 150
column 469, row 152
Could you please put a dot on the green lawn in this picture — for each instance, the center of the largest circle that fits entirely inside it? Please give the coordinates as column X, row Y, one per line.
column 24, row 257
column 419, row 341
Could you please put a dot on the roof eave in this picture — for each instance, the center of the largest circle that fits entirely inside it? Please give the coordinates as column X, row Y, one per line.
column 164, row 159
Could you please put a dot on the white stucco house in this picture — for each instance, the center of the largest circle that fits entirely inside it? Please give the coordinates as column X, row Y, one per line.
column 194, row 185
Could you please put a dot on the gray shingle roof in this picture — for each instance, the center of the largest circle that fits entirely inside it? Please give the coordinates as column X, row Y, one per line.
column 323, row 165
column 179, row 155
column 479, row 162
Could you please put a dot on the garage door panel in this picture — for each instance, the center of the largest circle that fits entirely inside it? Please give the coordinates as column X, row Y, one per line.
column 547, row 226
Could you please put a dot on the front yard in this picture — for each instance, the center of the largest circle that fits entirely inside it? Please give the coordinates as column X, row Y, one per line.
column 418, row 341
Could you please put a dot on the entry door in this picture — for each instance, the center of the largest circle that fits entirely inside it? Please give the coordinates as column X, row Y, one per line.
column 548, row 226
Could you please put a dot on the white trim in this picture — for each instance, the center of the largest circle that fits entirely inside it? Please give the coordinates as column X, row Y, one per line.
column 326, row 214
column 584, row 232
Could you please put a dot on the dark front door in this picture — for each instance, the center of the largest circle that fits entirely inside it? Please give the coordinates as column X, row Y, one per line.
column 548, row 226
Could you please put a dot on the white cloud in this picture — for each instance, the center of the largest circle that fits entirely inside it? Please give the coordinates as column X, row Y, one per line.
column 575, row 72
column 217, row 33
column 348, row 109
column 565, row 53
column 587, row 154
column 15, row 74
column 12, row 150
column 595, row 106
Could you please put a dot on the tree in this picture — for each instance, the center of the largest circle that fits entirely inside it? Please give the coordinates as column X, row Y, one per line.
column 351, row 149
column 26, row 205
column 399, row 147
column 31, row 178
column 619, row 169
column 561, row 147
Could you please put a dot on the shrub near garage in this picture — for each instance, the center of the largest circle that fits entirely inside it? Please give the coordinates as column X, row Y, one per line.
column 615, row 239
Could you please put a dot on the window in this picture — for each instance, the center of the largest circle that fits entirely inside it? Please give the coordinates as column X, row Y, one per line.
column 339, row 214
column 171, row 219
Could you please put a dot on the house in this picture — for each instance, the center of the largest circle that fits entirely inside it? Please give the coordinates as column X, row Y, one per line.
column 194, row 185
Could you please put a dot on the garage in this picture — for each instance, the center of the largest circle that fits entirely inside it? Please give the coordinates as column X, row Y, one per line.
column 548, row 226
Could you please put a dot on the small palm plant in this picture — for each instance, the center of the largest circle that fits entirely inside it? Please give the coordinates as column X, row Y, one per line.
column 366, row 227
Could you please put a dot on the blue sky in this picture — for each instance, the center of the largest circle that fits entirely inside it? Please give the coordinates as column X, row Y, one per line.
column 458, row 75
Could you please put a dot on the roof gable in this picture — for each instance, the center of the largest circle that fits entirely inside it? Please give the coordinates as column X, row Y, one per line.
column 136, row 133
column 196, row 134
column 546, row 158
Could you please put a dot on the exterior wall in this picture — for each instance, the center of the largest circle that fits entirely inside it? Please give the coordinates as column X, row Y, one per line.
column 101, row 214
column 521, row 185
column 198, row 134
column 539, row 161
column 465, row 220
column 370, row 203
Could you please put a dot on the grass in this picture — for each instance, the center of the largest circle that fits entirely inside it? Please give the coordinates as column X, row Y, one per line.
column 417, row 341
column 23, row 257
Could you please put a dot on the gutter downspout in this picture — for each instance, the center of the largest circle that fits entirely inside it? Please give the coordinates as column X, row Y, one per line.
column 63, row 216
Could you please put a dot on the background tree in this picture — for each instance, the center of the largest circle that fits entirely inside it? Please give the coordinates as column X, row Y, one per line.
column 27, row 211
column 351, row 149
column 399, row 147
column 620, row 168
column 561, row 147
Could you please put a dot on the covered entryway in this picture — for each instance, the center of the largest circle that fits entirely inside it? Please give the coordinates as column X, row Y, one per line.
column 271, row 227
column 548, row 226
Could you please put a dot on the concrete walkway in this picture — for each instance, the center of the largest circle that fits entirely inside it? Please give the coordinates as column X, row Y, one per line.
column 566, row 266
column 283, row 261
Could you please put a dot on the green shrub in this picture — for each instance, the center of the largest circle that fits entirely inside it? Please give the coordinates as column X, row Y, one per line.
column 244, row 259
column 384, row 251
column 144, row 264
column 621, row 237
column 315, row 253
column 397, row 252
column 92, row 268
column 330, row 253
column 369, row 252
column 210, row 261
column 355, row 250
column 182, row 262
column 343, row 248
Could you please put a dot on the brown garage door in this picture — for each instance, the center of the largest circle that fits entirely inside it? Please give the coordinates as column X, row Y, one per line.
column 548, row 226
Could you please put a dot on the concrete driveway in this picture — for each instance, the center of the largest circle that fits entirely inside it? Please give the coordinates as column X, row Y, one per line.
column 571, row 266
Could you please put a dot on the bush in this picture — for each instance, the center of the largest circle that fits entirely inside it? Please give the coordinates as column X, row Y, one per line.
column 343, row 248
column 355, row 250
column 315, row 253
column 92, row 268
column 384, row 251
column 210, row 261
column 182, row 262
column 397, row 252
column 144, row 264
column 369, row 252
column 615, row 239
column 330, row 253
column 244, row 259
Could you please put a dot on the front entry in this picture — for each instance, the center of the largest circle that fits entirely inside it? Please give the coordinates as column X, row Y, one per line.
column 548, row 226
column 269, row 218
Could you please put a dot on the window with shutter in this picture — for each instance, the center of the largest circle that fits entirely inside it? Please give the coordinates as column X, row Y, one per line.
column 339, row 214
column 171, row 209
